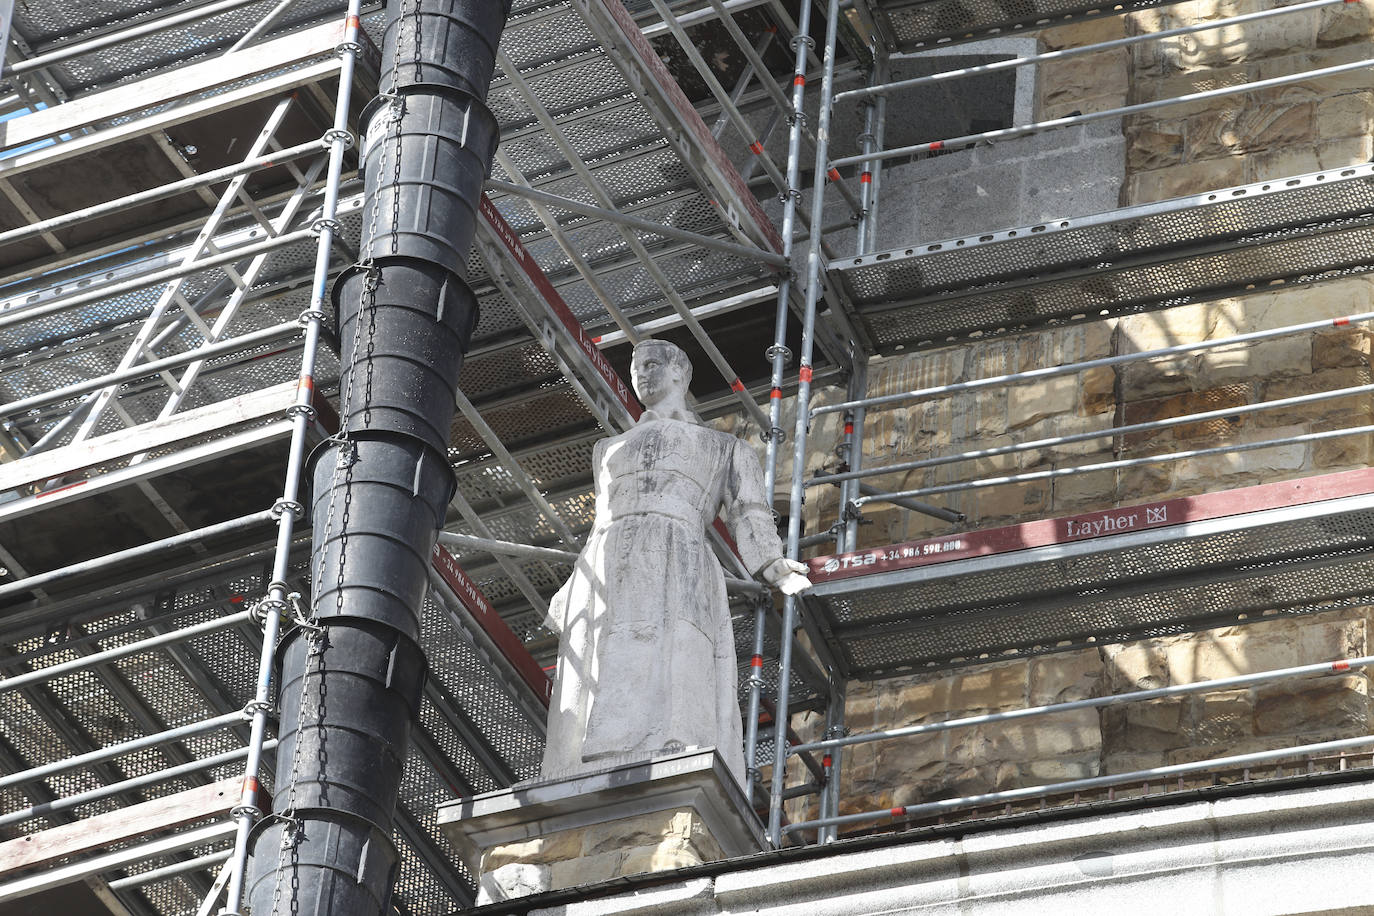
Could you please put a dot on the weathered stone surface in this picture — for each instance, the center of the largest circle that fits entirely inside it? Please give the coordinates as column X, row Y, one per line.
column 1185, row 180
column 1248, row 128
column 1098, row 390
column 1064, row 677
column 1342, row 349
column 513, row 880
column 1296, row 708
column 1029, row 403
column 544, row 850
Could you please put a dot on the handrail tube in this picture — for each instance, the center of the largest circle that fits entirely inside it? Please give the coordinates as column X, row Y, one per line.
column 1092, row 782
column 1135, row 696
column 133, row 648
column 199, row 765
column 1050, row 56
column 1054, row 441
column 14, row 315
column 127, row 747
column 170, row 871
column 251, row 339
column 200, row 180
column 1008, row 133
column 19, row 68
column 1032, row 375
column 1127, row 463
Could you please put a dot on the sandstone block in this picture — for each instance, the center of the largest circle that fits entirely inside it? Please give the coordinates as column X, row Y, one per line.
column 1284, row 356
column 1349, row 114
column 1084, row 33
column 1349, row 22
column 1097, row 392
column 1220, row 719
column 1089, row 76
column 664, row 857
column 1152, row 726
column 1145, row 483
column 553, row 847
column 644, row 830
column 1302, row 707
column 1248, row 128
column 1065, row 676
column 1313, row 156
column 1061, row 769
column 513, row 880
column 1185, row 180
column 1342, row 349
column 1136, row 666
column 1261, row 461
column 1030, row 403
column 1092, row 489
column 1155, row 145
column 991, row 687
column 1149, row 410
column 588, row 869
column 1325, row 380
column 1063, row 734
column 1344, row 452
column 1011, row 501
column 916, row 703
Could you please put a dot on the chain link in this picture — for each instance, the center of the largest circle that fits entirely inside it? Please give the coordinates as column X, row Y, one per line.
column 345, row 458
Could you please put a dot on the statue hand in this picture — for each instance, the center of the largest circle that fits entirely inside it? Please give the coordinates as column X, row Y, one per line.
column 789, row 576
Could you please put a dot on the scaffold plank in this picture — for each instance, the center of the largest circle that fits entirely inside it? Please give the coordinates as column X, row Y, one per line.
column 149, row 437
column 92, row 833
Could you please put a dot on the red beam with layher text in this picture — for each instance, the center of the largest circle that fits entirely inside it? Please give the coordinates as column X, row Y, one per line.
column 1091, row 525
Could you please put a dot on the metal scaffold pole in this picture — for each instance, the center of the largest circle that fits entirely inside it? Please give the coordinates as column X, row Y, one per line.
column 289, row 508
column 813, row 291
column 780, row 356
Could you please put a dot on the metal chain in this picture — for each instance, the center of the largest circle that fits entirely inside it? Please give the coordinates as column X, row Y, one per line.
column 345, row 458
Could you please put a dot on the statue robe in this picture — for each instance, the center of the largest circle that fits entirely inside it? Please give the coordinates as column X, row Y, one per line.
column 646, row 659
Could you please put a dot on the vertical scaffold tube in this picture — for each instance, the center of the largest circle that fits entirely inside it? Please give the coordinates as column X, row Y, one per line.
column 813, row 288
column 352, row 675
column 779, row 356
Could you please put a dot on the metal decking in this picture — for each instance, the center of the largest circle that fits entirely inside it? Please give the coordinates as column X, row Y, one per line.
column 1150, row 570
column 1137, row 259
column 479, row 728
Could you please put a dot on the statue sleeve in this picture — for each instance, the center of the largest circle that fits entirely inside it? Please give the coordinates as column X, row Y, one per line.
column 747, row 510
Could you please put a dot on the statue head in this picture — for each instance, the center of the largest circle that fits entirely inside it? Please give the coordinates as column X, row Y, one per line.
column 660, row 373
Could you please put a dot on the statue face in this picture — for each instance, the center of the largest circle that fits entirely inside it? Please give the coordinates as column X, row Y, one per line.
column 655, row 376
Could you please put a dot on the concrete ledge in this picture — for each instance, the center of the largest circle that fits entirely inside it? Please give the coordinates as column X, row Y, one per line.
column 1283, row 853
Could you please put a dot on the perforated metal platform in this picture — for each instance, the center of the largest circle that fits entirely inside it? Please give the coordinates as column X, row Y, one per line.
column 914, row 25
column 1296, row 547
column 1137, row 259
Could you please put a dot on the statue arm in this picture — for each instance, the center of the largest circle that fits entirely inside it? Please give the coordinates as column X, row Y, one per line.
column 750, row 520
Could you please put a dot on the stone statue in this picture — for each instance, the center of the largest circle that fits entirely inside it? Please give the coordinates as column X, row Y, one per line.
column 646, row 657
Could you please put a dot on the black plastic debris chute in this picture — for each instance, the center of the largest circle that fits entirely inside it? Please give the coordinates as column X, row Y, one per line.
column 350, row 683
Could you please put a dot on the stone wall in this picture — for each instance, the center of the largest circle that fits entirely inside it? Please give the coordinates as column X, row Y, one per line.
column 1181, row 150
column 1308, row 126
column 1120, row 739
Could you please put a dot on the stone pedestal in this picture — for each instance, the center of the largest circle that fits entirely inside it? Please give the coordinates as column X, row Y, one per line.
column 659, row 815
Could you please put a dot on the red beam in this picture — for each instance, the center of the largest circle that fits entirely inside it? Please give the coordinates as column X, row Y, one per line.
column 476, row 603
column 1092, row 525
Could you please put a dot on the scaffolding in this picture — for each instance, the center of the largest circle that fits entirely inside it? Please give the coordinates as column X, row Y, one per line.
column 180, row 185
